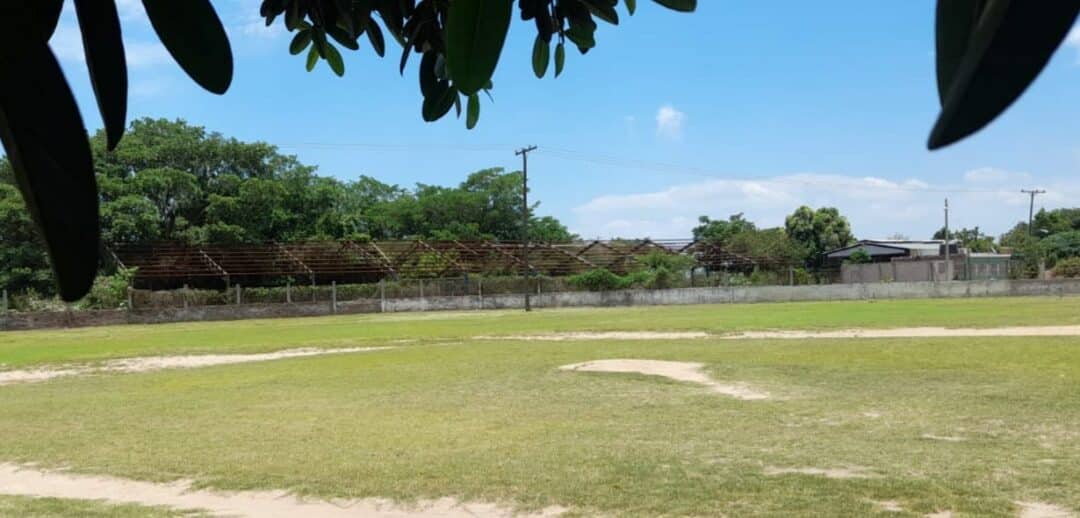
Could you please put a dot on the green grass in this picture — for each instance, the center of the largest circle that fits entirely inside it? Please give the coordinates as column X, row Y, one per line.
column 91, row 344
column 497, row 421
column 26, row 507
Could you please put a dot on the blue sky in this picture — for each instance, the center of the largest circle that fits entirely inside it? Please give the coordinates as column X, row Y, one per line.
column 753, row 107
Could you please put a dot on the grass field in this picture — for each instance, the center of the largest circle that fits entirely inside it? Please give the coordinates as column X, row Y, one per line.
column 965, row 425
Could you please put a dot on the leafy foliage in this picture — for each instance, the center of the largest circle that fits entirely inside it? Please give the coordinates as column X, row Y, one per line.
column 859, row 256
column 971, row 238
column 1068, row 268
column 460, row 42
column 599, row 279
column 1060, row 246
column 818, row 231
column 169, row 180
column 721, row 231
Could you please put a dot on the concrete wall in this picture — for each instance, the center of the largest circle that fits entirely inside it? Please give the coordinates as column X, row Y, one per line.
column 730, row 295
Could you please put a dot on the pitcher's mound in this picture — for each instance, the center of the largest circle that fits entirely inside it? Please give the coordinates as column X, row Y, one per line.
column 680, row 371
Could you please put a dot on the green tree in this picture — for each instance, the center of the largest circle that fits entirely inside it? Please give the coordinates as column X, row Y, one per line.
column 971, row 238
column 818, row 231
column 721, row 231
column 23, row 264
column 1062, row 245
column 1047, row 223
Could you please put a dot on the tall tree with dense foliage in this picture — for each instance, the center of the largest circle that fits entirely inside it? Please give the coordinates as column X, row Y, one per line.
column 818, row 231
column 169, row 180
column 720, row 231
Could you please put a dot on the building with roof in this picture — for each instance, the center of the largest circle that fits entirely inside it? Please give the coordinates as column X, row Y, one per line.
column 914, row 261
column 886, row 250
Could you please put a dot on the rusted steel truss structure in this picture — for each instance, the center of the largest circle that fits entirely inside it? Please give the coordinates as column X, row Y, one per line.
column 167, row 264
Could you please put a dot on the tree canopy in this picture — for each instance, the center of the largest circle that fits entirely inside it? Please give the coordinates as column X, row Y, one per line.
column 168, row 180
column 818, row 231
column 987, row 53
column 971, row 238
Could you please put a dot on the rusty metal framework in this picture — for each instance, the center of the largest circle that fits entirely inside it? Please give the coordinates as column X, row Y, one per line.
column 170, row 263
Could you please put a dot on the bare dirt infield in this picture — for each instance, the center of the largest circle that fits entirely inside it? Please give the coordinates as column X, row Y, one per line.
column 25, row 481
column 156, row 363
column 679, row 371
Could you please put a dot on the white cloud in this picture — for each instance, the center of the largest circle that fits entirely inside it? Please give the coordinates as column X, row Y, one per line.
column 670, row 122
column 876, row 207
column 989, row 175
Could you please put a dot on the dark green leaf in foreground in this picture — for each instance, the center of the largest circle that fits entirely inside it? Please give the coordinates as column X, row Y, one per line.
column 475, row 34
column 375, row 36
column 104, row 48
column 560, row 58
column 192, row 32
column 541, row 56
column 686, row 6
column 955, row 26
column 45, row 140
column 300, row 42
column 472, row 112
column 46, row 14
column 1012, row 43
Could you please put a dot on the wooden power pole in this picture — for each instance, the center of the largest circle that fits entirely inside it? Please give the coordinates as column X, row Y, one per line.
column 1031, row 207
column 524, row 154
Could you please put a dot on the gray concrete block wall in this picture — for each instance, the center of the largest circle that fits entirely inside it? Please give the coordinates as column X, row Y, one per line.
column 682, row 296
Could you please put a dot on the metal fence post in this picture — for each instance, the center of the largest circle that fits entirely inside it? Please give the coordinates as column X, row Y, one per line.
column 382, row 295
column 333, row 297
column 288, row 292
column 3, row 301
column 791, row 275
column 237, row 294
column 421, row 281
column 131, row 298
column 184, row 296
column 480, row 290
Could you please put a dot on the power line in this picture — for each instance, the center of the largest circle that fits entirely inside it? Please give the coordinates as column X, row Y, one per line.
column 651, row 166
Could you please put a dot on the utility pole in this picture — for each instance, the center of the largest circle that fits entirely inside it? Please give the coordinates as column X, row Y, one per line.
column 1031, row 208
column 948, row 261
column 524, row 153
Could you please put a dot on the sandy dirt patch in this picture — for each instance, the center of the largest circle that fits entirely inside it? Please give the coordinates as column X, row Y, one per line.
column 1042, row 510
column 680, row 371
column 889, row 506
column 24, row 481
column 838, row 473
column 606, row 335
column 939, row 514
column 155, row 363
column 901, row 332
column 911, row 332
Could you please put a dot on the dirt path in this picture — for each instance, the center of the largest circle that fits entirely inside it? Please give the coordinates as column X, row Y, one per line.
column 911, row 332
column 680, row 371
column 155, row 363
column 900, row 332
column 604, row 335
column 16, row 480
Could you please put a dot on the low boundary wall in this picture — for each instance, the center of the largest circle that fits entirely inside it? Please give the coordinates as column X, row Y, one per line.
column 722, row 295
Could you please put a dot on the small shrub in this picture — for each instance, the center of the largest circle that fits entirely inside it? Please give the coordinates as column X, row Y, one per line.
column 859, row 256
column 108, row 291
column 1068, row 268
column 600, row 279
